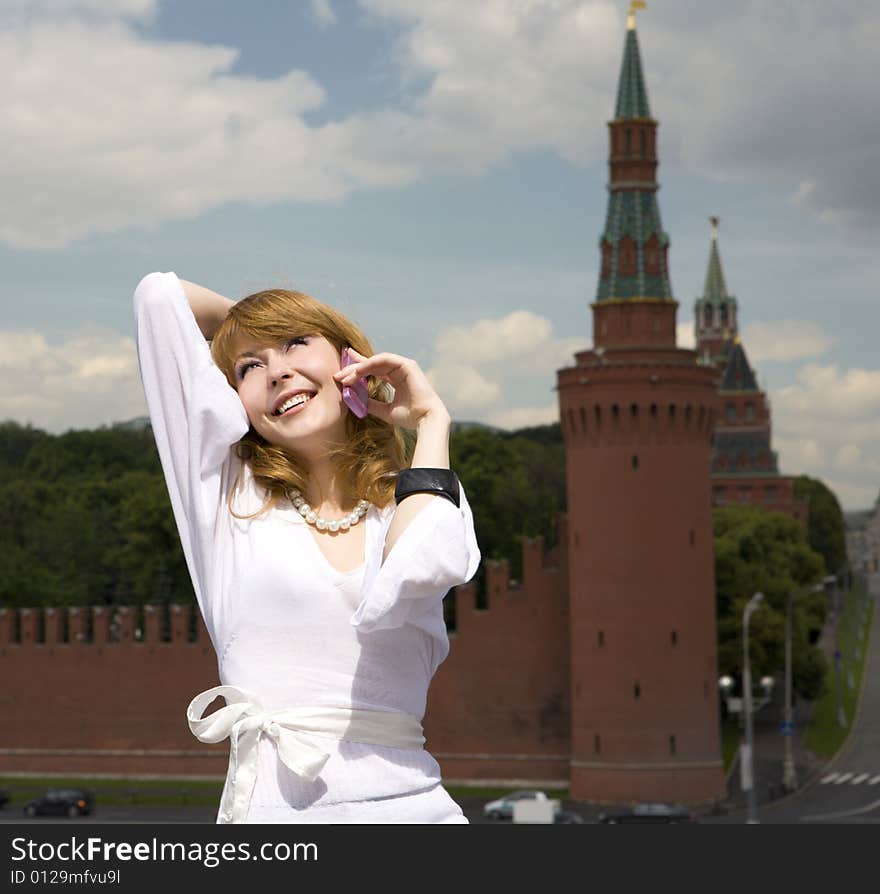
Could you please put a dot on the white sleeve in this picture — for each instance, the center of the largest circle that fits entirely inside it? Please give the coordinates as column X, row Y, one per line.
column 195, row 414
column 436, row 551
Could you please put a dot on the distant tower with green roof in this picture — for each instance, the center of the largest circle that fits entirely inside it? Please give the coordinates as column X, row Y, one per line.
column 715, row 312
column 745, row 468
column 637, row 415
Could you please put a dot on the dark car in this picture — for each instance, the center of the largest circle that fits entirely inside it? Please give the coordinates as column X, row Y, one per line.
column 61, row 802
column 4, row 797
column 567, row 816
column 650, row 813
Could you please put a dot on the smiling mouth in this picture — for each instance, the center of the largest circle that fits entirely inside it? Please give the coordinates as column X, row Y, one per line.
column 294, row 409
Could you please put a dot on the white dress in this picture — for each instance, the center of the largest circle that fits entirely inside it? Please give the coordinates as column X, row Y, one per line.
column 287, row 626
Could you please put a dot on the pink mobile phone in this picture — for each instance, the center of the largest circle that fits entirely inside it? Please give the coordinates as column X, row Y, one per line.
column 355, row 396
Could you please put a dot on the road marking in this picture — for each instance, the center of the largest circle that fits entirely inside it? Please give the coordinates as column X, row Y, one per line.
column 843, row 813
column 829, row 778
column 842, row 778
column 875, row 780
column 860, row 778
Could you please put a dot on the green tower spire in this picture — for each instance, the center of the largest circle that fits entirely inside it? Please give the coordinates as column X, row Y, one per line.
column 714, row 288
column 715, row 312
column 633, row 246
column 632, row 97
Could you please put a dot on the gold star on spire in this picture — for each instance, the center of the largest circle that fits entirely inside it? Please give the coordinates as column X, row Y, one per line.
column 631, row 13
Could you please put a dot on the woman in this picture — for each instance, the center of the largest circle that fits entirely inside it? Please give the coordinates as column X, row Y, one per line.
column 322, row 596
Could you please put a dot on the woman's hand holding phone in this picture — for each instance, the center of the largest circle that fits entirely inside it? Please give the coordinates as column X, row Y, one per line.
column 354, row 394
column 414, row 397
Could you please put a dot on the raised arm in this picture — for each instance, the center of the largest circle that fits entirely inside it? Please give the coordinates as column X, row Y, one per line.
column 208, row 308
column 195, row 414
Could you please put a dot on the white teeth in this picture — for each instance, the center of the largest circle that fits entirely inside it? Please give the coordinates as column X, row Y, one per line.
column 296, row 399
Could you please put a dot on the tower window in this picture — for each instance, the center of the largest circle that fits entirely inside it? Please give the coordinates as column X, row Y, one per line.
column 601, row 637
column 626, row 255
column 629, row 141
column 750, row 411
column 693, row 537
column 637, row 691
column 674, row 638
column 635, row 462
column 597, row 744
column 606, row 260
column 731, row 412
column 672, row 744
column 652, row 255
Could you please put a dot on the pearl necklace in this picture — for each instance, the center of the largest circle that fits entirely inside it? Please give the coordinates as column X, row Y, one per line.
column 326, row 524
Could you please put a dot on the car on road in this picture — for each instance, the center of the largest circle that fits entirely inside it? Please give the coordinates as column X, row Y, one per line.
column 61, row 802
column 650, row 813
column 502, row 808
column 4, row 797
column 567, row 816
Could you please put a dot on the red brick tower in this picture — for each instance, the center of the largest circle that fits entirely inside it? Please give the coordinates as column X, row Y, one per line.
column 637, row 416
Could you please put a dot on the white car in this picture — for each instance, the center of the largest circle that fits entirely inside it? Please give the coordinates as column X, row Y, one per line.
column 502, row 808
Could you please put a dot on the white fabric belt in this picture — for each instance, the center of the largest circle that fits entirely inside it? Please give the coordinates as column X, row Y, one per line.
column 244, row 720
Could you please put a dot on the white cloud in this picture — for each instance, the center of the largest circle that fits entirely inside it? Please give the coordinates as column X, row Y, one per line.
column 105, row 129
column 730, row 103
column 784, row 340
column 26, row 11
column 684, row 334
column 520, row 342
column 827, row 425
column 486, row 370
column 462, row 388
column 852, row 394
column 322, row 12
column 525, row 417
column 781, row 340
column 90, row 378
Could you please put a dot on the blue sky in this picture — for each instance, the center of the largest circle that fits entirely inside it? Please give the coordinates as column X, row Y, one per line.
column 437, row 170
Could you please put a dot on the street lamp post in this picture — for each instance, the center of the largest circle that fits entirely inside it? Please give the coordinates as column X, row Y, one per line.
column 789, row 777
column 746, row 768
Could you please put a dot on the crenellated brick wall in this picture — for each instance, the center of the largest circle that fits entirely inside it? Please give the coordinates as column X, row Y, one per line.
column 105, row 689
column 499, row 706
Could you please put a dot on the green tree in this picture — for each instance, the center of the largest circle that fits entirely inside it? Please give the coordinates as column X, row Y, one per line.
column 767, row 552
column 515, row 482
column 826, row 527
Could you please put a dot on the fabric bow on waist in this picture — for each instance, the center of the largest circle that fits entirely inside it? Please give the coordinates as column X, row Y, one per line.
column 244, row 720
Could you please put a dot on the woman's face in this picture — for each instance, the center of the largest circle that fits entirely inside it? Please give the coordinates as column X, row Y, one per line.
column 268, row 375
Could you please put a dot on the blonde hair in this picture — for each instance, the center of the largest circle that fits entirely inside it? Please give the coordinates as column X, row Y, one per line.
column 373, row 451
